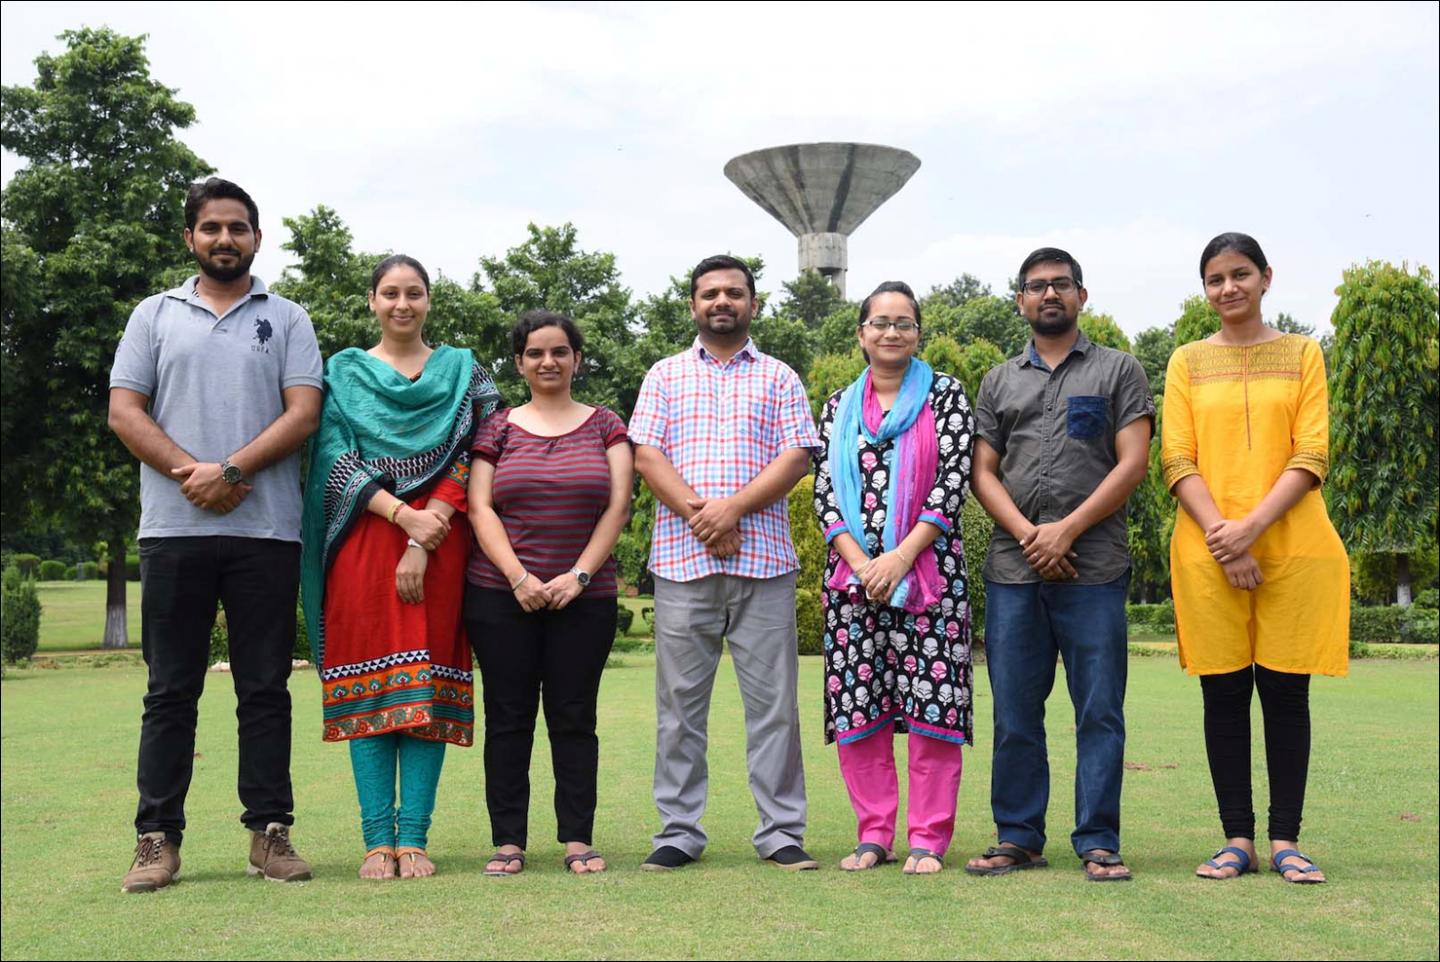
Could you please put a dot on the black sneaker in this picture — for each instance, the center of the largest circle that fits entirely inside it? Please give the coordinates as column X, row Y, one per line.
column 666, row 858
column 793, row 858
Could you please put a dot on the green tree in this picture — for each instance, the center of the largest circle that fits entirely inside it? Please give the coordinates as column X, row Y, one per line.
column 786, row 338
column 828, row 374
column 93, row 223
column 1284, row 322
column 1149, row 522
column 809, row 299
column 836, row 333
column 977, row 359
column 1197, row 320
column 993, row 319
column 944, row 354
column 1384, row 450
column 1153, row 347
column 957, row 293
column 1102, row 329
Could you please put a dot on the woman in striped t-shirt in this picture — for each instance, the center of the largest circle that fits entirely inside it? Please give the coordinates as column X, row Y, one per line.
column 549, row 494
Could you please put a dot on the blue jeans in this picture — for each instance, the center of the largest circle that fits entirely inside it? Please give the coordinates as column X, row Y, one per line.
column 1025, row 627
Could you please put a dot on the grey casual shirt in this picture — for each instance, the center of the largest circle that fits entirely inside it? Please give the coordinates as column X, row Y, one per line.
column 1055, row 433
column 214, row 384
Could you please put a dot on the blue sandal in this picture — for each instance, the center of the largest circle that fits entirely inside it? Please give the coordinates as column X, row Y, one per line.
column 1241, row 867
column 1309, row 866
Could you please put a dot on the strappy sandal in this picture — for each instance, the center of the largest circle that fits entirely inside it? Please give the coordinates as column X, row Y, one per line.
column 920, row 855
column 1284, row 870
column 882, row 857
column 1241, row 867
column 507, row 858
column 584, row 858
column 1020, row 860
column 1107, row 859
column 410, row 852
column 387, row 861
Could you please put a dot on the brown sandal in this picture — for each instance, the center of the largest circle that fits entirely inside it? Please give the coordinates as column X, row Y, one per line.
column 407, row 867
column 507, row 858
column 387, row 860
column 583, row 858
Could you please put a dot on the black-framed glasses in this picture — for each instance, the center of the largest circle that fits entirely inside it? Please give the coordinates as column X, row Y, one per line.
column 883, row 324
column 1062, row 285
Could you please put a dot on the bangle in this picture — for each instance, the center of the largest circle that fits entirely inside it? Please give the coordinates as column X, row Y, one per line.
column 412, row 543
column 395, row 509
column 902, row 557
column 516, row 585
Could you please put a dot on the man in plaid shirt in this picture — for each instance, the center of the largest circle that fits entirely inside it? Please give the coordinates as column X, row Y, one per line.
column 722, row 433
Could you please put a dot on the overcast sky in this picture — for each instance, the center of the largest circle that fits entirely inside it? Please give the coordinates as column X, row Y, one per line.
column 1126, row 133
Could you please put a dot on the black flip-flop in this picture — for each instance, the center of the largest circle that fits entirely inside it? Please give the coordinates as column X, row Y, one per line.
column 882, row 857
column 1108, row 859
column 1022, row 860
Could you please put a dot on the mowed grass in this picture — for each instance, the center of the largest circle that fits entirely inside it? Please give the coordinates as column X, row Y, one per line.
column 72, row 615
column 69, row 742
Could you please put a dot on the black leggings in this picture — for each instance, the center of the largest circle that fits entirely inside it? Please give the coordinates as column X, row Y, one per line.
column 1285, row 704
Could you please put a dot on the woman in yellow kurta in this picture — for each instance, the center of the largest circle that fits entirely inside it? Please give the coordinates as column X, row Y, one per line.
column 1261, row 581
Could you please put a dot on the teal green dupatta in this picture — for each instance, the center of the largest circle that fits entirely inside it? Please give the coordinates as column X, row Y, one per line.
column 378, row 429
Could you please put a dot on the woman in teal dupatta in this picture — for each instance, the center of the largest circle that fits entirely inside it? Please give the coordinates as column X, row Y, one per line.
column 383, row 568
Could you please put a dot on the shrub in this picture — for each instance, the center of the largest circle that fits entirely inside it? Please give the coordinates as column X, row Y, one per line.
column 70, row 573
column 1421, row 626
column 301, row 652
column 19, row 616
column 624, row 618
column 86, row 571
column 1159, row 617
column 220, row 638
column 1429, row 598
column 811, row 548
column 809, row 621
column 52, row 571
column 976, row 527
column 1376, row 623
column 27, row 564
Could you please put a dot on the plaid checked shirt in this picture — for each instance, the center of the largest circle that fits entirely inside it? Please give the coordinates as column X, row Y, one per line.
column 720, row 423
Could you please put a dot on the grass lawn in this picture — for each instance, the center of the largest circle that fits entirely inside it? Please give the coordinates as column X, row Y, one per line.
column 72, row 615
column 68, row 784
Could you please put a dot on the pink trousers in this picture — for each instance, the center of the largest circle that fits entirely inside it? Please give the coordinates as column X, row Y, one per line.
column 868, row 766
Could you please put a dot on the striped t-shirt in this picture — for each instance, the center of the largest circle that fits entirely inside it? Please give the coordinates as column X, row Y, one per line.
column 549, row 493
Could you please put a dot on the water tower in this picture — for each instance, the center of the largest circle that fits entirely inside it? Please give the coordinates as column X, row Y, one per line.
column 822, row 192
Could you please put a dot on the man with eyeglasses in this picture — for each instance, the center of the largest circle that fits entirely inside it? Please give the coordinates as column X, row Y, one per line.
column 1062, row 439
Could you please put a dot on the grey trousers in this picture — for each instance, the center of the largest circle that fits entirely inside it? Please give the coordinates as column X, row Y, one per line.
column 757, row 616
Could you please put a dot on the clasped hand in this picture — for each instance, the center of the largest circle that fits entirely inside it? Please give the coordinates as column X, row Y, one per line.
column 1229, row 540
column 716, row 523
column 425, row 525
column 880, row 575
column 532, row 594
column 1047, row 550
column 203, row 487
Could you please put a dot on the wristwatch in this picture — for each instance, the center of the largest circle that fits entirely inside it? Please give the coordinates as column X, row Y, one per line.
column 581, row 576
column 230, row 473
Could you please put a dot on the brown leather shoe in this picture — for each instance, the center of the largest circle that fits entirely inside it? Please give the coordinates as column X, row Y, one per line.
column 156, row 865
column 272, row 856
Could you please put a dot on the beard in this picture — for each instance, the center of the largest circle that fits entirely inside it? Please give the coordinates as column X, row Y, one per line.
column 1054, row 326
column 224, row 273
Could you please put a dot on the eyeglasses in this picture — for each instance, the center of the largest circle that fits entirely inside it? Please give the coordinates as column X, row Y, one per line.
column 881, row 325
column 1062, row 285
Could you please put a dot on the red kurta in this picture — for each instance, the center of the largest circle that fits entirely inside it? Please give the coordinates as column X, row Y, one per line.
column 407, row 666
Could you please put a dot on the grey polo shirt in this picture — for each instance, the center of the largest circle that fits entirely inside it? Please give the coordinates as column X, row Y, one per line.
column 1055, row 433
column 214, row 384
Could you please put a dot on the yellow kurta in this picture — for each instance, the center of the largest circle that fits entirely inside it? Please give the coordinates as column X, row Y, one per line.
column 1239, row 417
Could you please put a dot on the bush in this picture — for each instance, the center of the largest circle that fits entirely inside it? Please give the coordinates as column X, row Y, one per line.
column 27, row 564
column 810, row 547
column 52, row 571
column 220, row 638
column 70, row 573
column 1376, row 623
column 1421, row 626
column 1429, row 598
column 1159, row 617
column 624, row 618
column 86, row 571
column 19, row 616
column 976, row 527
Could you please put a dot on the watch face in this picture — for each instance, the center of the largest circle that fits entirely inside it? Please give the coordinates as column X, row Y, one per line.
column 231, row 474
column 582, row 577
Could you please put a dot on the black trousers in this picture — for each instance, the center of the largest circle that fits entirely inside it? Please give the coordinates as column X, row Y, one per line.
column 526, row 659
column 182, row 579
column 1285, row 705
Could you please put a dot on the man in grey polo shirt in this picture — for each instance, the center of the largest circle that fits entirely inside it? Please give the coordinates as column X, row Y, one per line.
column 216, row 384
column 1063, row 437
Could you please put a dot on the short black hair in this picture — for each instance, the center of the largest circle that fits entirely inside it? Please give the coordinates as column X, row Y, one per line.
column 533, row 320
column 721, row 262
column 397, row 260
column 890, row 287
column 1047, row 255
column 217, row 188
column 1233, row 241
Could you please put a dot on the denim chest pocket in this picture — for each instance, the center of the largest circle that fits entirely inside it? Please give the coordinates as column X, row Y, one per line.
column 1087, row 416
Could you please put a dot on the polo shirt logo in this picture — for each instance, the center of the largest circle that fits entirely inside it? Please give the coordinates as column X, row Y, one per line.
column 263, row 333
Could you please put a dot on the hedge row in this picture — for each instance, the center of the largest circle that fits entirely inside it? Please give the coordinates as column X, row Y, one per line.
column 1391, row 623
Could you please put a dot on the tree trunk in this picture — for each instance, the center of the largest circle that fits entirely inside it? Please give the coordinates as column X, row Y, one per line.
column 116, row 632
column 1402, row 579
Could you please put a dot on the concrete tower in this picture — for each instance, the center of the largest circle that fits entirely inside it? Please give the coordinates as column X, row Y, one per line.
column 822, row 192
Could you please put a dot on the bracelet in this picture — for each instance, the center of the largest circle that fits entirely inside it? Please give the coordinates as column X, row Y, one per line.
column 412, row 543
column 516, row 585
column 395, row 509
column 902, row 556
